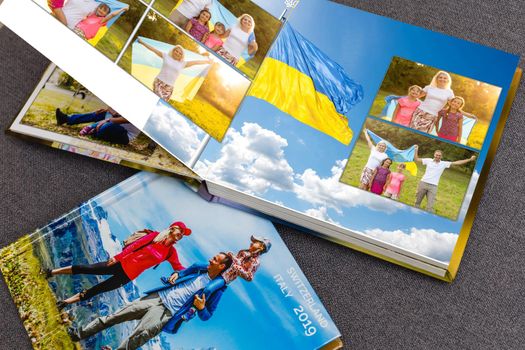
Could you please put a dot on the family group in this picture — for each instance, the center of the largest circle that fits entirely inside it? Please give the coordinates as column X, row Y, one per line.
column 433, row 108
column 377, row 177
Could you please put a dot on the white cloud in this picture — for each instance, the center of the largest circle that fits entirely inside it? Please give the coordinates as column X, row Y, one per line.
column 174, row 132
column 321, row 213
column 468, row 196
column 251, row 160
column 427, row 242
column 331, row 193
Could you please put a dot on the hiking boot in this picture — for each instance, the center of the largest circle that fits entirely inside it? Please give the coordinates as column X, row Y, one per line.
column 73, row 333
column 61, row 117
column 61, row 304
column 47, row 273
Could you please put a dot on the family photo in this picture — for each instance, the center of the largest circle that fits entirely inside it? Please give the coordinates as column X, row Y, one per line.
column 105, row 24
column 184, row 74
column 65, row 111
column 177, row 275
column 410, row 168
column 433, row 101
column 239, row 32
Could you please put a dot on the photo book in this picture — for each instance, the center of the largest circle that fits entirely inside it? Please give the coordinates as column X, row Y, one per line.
column 371, row 133
column 150, row 264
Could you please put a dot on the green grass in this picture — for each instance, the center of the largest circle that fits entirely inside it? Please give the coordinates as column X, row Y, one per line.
column 451, row 191
column 41, row 114
column 44, row 323
column 379, row 103
column 113, row 42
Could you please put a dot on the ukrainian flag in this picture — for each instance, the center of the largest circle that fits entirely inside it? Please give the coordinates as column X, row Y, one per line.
column 114, row 6
column 145, row 66
column 397, row 155
column 304, row 82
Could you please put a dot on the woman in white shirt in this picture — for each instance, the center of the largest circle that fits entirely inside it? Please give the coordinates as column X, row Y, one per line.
column 377, row 155
column 172, row 65
column 437, row 94
column 239, row 39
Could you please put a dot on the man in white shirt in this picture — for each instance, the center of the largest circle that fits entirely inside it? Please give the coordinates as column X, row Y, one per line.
column 76, row 10
column 428, row 185
column 187, row 10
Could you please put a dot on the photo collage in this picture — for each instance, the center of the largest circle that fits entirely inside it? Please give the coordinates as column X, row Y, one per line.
column 421, row 139
column 199, row 56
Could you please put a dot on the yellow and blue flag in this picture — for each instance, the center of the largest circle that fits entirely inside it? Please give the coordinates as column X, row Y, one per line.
column 397, row 155
column 302, row 81
column 114, row 6
column 145, row 66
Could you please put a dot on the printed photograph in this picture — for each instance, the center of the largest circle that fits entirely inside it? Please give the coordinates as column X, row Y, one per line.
column 63, row 107
column 123, row 271
column 408, row 167
column 430, row 100
column 240, row 32
column 105, row 24
column 183, row 73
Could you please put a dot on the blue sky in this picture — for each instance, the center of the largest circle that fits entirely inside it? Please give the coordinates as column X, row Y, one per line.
column 247, row 311
column 298, row 160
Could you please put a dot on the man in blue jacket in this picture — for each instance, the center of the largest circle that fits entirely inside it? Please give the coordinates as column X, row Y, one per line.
column 195, row 290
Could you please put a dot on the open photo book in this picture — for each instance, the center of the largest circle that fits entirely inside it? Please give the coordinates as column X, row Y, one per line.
column 371, row 133
column 149, row 264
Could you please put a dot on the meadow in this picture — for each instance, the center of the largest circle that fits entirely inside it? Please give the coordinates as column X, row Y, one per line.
column 451, row 191
column 44, row 323
column 41, row 115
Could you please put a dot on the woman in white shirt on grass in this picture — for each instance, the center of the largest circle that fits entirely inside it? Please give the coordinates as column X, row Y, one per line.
column 437, row 94
column 239, row 39
column 172, row 65
column 377, row 155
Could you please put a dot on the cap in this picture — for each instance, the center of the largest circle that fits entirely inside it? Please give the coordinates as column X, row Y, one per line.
column 265, row 241
column 185, row 230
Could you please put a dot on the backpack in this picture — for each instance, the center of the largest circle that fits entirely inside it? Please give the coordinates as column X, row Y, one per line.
column 135, row 236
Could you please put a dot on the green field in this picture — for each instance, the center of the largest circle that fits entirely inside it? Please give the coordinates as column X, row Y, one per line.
column 41, row 114
column 113, row 42
column 44, row 323
column 475, row 139
column 451, row 190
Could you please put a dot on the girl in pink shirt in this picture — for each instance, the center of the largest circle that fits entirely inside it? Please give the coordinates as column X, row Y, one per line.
column 198, row 27
column 56, row 10
column 89, row 26
column 214, row 40
column 395, row 182
column 406, row 106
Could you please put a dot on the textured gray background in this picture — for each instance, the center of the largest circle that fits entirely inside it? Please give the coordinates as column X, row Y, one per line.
column 375, row 304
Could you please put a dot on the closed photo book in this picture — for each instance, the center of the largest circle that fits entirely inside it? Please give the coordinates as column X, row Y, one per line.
column 150, row 264
column 371, row 133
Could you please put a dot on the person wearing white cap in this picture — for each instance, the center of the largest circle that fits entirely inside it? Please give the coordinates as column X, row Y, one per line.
column 246, row 262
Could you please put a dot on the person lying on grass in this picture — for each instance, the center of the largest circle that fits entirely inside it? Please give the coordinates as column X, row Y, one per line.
column 108, row 125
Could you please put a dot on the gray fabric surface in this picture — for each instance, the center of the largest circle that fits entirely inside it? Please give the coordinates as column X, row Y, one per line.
column 375, row 304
